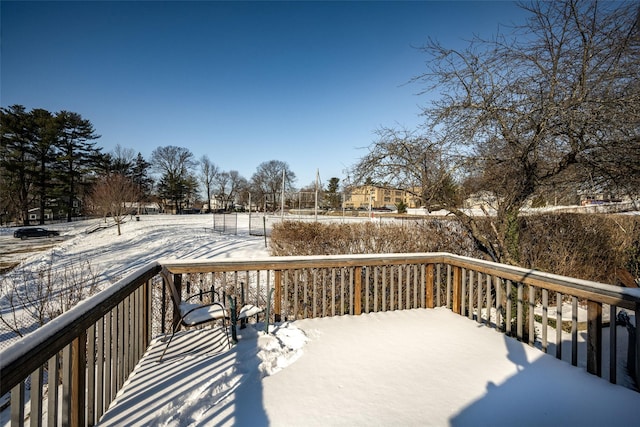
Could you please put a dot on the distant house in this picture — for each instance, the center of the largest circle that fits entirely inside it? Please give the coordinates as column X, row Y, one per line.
column 378, row 197
column 56, row 209
column 34, row 214
column 214, row 204
column 143, row 208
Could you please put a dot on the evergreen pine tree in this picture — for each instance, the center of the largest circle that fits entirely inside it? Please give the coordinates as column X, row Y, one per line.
column 77, row 155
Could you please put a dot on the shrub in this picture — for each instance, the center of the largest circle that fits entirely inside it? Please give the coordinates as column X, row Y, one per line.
column 315, row 238
column 593, row 247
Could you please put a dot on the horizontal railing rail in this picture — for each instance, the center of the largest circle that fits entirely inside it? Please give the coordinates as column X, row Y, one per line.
column 76, row 364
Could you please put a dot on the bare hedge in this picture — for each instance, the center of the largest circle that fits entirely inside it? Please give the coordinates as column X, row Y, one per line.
column 604, row 248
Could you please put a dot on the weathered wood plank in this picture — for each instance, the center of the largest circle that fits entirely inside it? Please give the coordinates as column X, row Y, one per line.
column 65, row 403
column 594, row 338
column 457, row 290
column 305, row 292
column 53, row 372
column 126, row 329
column 384, row 288
column 545, row 320
column 428, row 285
column 470, row 287
column 558, row 325
column 357, row 292
column 497, row 283
column 324, row 292
column 490, row 307
column 296, row 297
column 531, row 304
column 613, row 347
column 17, row 404
column 392, row 305
column 464, row 293
column 509, row 305
column 480, row 297
column 277, row 295
column 574, row 331
column 78, row 379
column 91, row 375
column 520, row 312
column 100, row 362
column 314, row 285
column 376, row 286
column 334, row 298
column 35, row 398
column 351, row 291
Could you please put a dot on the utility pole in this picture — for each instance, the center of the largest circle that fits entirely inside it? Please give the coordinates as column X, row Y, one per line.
column 317, row 184
column 282, row 198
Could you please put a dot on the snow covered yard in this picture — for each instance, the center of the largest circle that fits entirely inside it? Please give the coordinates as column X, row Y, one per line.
column 411, row 367
column 101, row 258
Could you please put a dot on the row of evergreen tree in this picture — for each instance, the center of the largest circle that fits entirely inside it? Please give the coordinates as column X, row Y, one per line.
column 51, row 160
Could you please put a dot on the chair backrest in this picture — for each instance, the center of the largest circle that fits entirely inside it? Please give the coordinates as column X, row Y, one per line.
column 175, row 295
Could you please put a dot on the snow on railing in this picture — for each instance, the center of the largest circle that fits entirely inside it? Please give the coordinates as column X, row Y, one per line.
column 70, row 370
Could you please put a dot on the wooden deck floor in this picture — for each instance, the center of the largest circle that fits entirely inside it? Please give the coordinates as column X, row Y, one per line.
column 413, row 367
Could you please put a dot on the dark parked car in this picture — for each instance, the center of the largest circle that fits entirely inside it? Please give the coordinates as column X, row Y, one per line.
column 24, row 233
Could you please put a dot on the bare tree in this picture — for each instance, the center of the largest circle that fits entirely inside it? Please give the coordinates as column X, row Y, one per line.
column 221, row 183
column 267, row 181
column 555, row 100
column 112, row 193
column 236, row 184
column 411, row 161
column 239, row 187
column 208, row 173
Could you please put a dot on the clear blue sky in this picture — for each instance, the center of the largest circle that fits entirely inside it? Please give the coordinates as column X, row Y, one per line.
column 307, row 83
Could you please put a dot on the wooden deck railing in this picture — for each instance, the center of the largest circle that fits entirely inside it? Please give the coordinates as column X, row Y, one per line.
column 69, row 371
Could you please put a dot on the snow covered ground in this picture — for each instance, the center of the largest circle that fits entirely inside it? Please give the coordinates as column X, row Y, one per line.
column 154, row 236
column 102, row 257
column 411, row 368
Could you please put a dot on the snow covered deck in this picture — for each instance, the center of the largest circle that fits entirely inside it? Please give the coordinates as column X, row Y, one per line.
column 408, row 367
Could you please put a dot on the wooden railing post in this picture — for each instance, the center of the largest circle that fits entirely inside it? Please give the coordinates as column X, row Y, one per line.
column 17, row 404
column 147, row 317
column 429, row 286
column 177, row 282
column 594, row 337
column 78, row 381
column 457, row 290
column 277, row 304
column 357, row 292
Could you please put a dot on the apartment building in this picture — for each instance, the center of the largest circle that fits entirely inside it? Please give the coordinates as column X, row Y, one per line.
column 378, row 197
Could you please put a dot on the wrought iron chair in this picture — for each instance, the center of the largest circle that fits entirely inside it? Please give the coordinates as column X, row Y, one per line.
column 195, row 314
